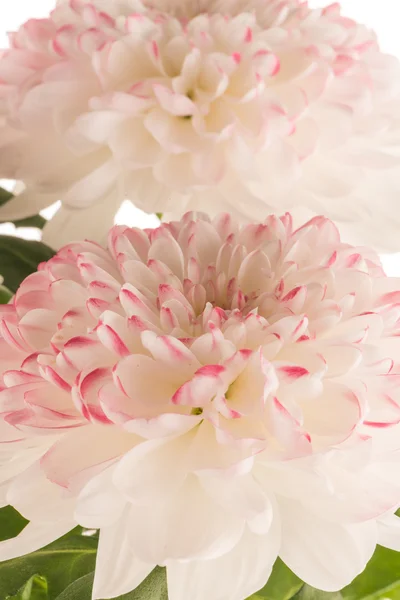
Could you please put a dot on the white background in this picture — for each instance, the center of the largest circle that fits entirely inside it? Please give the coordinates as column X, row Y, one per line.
column 381, row 15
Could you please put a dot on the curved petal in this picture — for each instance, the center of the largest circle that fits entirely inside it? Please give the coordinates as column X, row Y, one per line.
column 190, row 525
column 389, row 532
column 72, row 224
column 324, row 554
column 118, row 571
column 38, row 499
column 235, row 575
column 242, row 496
column 153, row 470
column 34, row 536
column 83, row 448
column 99, row 503
column 26, row 204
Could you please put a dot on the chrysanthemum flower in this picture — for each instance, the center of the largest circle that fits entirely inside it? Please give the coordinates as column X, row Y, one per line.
column 209, row 396
column 241, row 106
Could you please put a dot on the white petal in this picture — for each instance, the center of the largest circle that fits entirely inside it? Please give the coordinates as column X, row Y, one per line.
column 118, row 571
column 83, row 448
column 26, row 204
column 150, row 396
column 389, row 532
column 236, row 575
column 171, row 352
column 324, row 554
column 189, row 525
column 99, row 503
column 69, row 224
column 163, row 425
column 242, row 496
column 153, row 470
column 34, row 536
column 37, row 498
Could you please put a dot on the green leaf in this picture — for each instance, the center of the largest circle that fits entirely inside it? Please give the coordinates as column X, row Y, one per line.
column 34, row 221
column 5, row 294
column 19, row 258
column 394, row 594
column 159, row 215
column 61, row 563
column 81, row 589
column 380, row 578
column 309, row 593
column 154, row 587
column 34, row 589
column 5, row 196
column 11, row 523
column 282, row 584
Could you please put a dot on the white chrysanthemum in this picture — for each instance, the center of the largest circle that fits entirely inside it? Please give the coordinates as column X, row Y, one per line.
column 240, row 106
column 209, row 397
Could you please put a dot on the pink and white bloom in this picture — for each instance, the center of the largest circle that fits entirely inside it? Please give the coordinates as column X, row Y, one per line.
column 209, row 396
column 243, row 106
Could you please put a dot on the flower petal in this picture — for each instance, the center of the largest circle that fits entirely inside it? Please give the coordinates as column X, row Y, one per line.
column 324, row 554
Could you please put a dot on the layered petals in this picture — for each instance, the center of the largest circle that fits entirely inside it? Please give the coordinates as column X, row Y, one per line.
column 246, row 105
column 209, row 396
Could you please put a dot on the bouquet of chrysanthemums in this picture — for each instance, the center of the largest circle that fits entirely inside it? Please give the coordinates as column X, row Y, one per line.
column 208, row 409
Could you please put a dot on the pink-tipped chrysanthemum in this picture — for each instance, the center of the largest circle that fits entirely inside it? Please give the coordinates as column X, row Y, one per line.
column 209, row 396
column 212, row 105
